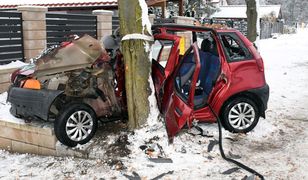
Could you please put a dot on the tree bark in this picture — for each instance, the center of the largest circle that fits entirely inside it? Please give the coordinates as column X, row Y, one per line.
column 252, row 17
column 137, row 63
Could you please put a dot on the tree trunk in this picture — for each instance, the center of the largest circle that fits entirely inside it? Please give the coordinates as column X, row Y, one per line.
column 252, row 17
column 137, row 63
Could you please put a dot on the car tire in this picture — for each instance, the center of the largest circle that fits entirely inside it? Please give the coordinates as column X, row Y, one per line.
column 240, row 115
column 75, row 124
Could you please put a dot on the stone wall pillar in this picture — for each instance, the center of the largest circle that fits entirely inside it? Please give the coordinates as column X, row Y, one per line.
column 104, row 23
column 186, row 35
column 183, row 20
column 34, row 30
column 151, row 18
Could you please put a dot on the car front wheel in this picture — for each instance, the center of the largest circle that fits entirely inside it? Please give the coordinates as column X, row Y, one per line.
column 76, row 124
column 240, row 115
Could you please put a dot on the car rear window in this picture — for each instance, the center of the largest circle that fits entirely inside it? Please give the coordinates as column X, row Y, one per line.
column 234, row 48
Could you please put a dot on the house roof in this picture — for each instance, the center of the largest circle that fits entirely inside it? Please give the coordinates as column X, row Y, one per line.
column 65, row 3
column 57, row 3
column 239, row 11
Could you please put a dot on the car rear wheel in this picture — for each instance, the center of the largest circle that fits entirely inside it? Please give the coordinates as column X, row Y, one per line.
column 76, row 124
column 240, row 115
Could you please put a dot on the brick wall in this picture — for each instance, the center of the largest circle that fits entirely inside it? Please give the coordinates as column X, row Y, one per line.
column 33, row 138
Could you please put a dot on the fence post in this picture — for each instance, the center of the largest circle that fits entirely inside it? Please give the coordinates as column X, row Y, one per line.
column 104, row 23
column 34, row 30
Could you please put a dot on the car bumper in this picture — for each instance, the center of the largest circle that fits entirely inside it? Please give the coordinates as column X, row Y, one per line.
column 263, row 94
column 28, row 103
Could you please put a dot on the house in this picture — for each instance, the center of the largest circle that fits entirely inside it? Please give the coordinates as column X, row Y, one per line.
column 235, row 16
column 80, row 6
column 239, row 12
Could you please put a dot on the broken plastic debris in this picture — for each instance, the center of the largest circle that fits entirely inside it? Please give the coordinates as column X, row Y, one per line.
column 161, row 160
column 230, row 171
column 211, row 145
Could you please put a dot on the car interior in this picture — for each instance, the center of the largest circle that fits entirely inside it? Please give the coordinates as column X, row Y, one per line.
column 210, row 68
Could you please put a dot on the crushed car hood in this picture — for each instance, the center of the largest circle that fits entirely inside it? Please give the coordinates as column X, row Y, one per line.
column 77, row 54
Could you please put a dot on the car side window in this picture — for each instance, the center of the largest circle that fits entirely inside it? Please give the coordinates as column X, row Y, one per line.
column 161, row 51
column 234, row 48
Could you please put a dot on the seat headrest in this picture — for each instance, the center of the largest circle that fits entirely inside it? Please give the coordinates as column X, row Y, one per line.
column 209, row 46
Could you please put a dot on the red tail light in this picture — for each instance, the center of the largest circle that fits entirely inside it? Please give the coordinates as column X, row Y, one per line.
column 260, row 64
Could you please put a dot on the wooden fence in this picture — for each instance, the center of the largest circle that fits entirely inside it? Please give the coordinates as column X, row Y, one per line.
column 267, row 29
column 61, row 26
column 11, row 37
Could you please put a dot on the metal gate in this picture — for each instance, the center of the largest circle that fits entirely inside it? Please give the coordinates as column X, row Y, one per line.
column 61, row 26
column 115, row 23
column 11, row 38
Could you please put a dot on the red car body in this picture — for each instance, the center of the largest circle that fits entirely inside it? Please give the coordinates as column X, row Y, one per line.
column 244, row 77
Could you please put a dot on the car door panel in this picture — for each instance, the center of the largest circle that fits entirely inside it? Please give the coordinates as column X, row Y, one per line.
column 159, row 74
column 176, row 109
column 174, row 54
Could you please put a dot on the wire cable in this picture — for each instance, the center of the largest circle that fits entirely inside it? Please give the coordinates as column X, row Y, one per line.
column 223, row 153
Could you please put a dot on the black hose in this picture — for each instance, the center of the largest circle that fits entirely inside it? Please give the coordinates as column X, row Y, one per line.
column 229, row 159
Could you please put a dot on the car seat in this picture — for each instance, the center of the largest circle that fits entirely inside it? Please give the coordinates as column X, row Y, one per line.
column 210, row 68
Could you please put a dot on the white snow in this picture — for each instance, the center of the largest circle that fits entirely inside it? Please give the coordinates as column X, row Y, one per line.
column 154, row 112
column 239, row 11
column 4, row 110
column 145, row 17
column 276, row 148
column 13, row 64
column 137, row 36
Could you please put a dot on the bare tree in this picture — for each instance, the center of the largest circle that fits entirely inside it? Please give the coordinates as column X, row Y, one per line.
column 252, row 17
column 136, row 58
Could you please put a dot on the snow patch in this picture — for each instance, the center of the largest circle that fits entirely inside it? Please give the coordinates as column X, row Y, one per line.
column 13, row 64
column 263, row 129
column 154, row 112
column 137, row 36
column 5, row 114
column 145, row 17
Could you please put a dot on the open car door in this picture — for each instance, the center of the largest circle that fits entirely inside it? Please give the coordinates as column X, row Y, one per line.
column 172, row 54
column 166, row 51
column 179, row 91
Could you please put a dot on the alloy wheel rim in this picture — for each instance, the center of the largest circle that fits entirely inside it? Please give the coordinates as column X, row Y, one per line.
column 79, row 125
column 241, row 116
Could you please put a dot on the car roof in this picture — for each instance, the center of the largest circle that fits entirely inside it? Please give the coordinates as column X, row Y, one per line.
column 180, row 27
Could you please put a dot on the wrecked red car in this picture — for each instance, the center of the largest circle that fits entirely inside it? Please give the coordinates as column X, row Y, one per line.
column 73, row 85
column 193, row 68
column 222, row 71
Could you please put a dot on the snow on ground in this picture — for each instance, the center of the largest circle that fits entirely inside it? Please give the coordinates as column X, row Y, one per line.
column 5, row 108
column 276, row 148
column 14, row 64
